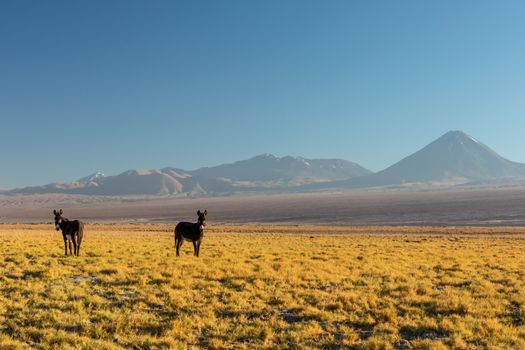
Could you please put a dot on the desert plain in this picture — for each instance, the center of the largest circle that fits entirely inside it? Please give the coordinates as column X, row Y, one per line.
column 264, row 287
column 475, row 206
column 342, row 270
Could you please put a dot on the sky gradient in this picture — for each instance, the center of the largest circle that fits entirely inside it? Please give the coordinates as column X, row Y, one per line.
column 114, row 85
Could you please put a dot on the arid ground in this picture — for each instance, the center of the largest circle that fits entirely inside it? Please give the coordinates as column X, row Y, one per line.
column 264, row 287
column 446, row 207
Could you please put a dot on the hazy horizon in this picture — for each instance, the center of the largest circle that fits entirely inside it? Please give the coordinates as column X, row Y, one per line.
column 127, row 84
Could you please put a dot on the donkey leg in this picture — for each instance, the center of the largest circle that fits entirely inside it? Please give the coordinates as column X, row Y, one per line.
column 70, row 248
column 198, row 247
column 65, row 246
column 195, row 253
column 74, row 244
column 78, row 248
column 178, row 244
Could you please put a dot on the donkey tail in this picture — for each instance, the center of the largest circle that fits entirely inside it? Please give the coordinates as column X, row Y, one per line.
column 80, row 232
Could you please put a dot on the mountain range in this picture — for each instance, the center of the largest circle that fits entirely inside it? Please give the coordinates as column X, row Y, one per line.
column 261, row 173
column 454, row 158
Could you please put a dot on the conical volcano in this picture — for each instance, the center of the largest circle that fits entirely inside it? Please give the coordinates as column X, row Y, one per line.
column 454, row 156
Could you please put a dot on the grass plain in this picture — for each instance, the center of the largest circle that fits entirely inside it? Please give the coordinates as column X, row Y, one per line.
column 264, row 287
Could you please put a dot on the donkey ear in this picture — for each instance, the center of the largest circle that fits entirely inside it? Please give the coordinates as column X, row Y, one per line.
column 54, row 212
column 198, row 212
column 205, row 212
column 60, row 212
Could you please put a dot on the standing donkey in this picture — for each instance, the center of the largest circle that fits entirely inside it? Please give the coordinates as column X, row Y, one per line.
column 72, row 231
column 193, row 232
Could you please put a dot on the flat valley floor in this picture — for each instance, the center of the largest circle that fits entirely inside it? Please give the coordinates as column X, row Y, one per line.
column 272, row 287
column 489, row 206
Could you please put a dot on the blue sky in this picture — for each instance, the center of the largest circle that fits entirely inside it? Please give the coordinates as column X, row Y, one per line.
column 113, row 85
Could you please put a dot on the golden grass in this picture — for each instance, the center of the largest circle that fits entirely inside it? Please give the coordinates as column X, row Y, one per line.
column 264, row 287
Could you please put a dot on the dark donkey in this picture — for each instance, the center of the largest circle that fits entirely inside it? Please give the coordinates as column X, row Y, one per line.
column 72, row 231
column 190, row 231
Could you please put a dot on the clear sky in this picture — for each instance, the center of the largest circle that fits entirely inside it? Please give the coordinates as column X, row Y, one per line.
column 113, row 85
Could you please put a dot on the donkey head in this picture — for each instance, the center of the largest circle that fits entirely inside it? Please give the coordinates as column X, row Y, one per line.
column 58, row 218
column 202, row 217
